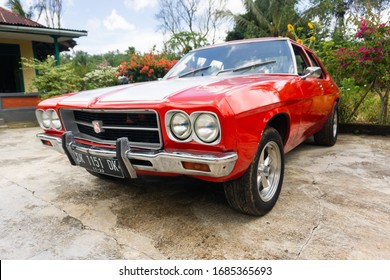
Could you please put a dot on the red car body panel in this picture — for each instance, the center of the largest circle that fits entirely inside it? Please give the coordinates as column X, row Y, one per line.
column 244, row 105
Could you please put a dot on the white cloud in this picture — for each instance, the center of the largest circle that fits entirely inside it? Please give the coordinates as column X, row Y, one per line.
column 117, row 22
column 137, row 5
column 93, row 24
column 101, row 42
column 69, row 3
column 2, row 3
column 236, row 7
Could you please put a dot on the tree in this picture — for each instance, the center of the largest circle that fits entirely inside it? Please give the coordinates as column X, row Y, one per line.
column 192, row 21
column 17, row 7
column 367, row 61
column 51, row 10
column 263, row 18
column 334, row 13
column 182, row 42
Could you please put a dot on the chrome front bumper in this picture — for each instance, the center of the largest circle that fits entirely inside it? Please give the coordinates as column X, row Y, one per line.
column 219, row 164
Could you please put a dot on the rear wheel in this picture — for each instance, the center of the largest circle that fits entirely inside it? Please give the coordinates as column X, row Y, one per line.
column 327, row 136
column 257, row 191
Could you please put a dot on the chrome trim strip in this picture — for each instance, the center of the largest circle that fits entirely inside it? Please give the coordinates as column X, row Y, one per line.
column 220, row 164
column 79, row 136
column 56, row 142
column 119, row 127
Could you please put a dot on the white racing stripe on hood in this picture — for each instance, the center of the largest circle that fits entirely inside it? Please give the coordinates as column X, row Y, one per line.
column 90, row 95
column 141, row 92
column 155, row 91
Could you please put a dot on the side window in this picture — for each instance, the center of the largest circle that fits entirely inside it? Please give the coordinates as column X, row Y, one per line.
column 300, row 58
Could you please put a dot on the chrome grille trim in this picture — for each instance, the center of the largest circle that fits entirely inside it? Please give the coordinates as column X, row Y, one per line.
column 119, row 127
column 148, row 130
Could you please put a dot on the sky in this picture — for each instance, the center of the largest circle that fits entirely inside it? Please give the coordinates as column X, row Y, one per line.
column 118, row 24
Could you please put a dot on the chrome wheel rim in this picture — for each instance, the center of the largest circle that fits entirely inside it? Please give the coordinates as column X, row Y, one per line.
column 335, row 123
column 268, row 171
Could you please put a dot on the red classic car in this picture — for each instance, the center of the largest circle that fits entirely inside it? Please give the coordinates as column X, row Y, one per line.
column 224, row 113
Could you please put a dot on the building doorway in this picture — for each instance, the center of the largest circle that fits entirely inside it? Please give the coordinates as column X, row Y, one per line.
column 11, row 75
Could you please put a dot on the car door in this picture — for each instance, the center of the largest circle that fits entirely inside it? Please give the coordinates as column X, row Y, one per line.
column 328, row 88
column 312, row 93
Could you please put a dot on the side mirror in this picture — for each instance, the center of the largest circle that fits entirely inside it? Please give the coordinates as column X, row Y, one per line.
column 312, row 72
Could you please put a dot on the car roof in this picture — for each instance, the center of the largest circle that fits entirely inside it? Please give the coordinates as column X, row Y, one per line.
column 252, row 40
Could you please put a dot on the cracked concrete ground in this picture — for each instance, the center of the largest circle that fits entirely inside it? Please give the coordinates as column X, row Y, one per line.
column 334, row 205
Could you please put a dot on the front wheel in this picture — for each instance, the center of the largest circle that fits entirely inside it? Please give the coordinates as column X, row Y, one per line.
column 257, row 191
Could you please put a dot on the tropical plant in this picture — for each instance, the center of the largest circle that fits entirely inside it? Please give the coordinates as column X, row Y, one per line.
column 334, row 14
column 103, row 76
column 367, row 61
column 305, row 36
column 17, row 7
column 50, row 9
column 146, row 67
column 183, row 42
column 263, row 18
column 52, row 80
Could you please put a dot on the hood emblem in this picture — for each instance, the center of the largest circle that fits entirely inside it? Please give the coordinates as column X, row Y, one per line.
column 98, row 126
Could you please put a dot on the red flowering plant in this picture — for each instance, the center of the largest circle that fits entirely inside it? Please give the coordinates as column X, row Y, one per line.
column 146, row 67
column 367, row 61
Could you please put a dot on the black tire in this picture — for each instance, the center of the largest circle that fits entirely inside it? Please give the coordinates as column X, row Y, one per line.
column 101, row 176
column 327, row 136
column 247, row 194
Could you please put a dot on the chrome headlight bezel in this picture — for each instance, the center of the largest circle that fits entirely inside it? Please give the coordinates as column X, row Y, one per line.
column 206, row 127
column 48, row 119
column 54, row 119
column 192, row 135
column 180, row 125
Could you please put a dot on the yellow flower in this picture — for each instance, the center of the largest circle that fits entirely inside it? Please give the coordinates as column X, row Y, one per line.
column 311, row 26
column 300, row 41
column 290, row 27
column 312, row 38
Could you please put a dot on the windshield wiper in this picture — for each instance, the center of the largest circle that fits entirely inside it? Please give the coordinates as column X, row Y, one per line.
column 246, row 67
column 194, row 71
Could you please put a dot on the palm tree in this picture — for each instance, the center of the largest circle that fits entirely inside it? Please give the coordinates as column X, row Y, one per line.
column 17, row 7
column 264, row 18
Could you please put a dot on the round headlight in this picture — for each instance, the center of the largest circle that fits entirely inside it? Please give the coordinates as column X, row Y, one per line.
column 54, row 119
column 38, row 114
column 45, row 118
column 207, row 128
column 180, row 126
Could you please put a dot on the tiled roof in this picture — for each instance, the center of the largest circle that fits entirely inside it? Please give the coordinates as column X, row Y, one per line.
column 11, row 18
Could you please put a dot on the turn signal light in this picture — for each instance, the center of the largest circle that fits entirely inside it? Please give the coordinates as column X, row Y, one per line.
column 196, row 166
column 46, row 142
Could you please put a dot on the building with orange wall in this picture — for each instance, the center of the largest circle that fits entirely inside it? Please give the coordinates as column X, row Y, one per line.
column 22, row 37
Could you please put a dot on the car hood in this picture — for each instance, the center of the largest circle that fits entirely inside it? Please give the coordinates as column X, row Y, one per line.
column 158, row 91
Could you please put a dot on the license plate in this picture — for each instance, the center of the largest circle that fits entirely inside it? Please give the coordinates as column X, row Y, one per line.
column 98, row 164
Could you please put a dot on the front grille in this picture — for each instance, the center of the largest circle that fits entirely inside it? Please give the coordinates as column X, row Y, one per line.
column 141, row 127
column 135, row 119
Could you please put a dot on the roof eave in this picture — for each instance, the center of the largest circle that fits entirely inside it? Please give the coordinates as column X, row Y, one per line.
column 43, row 31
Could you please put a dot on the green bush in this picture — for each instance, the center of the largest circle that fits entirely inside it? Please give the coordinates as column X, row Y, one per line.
column 52, row 80
column 103, row 76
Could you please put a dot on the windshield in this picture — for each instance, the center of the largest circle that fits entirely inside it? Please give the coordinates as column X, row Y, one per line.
column 268, row 57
